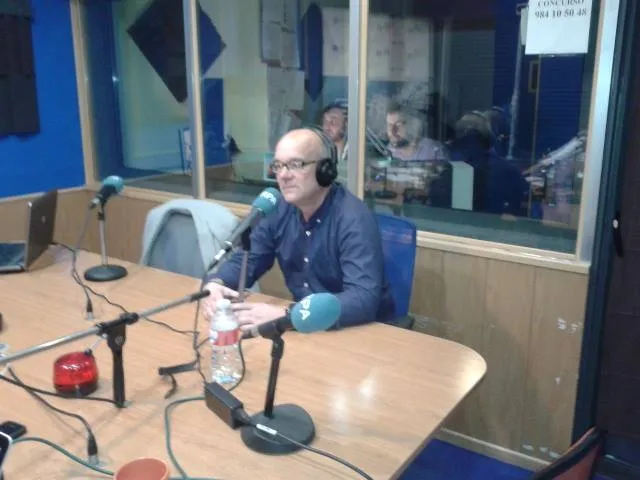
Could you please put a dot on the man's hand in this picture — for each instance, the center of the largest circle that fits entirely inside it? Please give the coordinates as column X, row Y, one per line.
column 249, row 314
column 217, row 291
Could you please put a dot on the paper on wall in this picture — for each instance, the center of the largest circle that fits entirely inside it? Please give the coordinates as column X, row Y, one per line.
column 558, row 27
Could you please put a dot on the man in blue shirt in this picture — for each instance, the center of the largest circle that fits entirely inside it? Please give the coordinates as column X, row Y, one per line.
column 325, row 240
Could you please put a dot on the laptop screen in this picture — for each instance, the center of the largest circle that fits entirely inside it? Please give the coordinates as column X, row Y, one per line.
column 42, row 216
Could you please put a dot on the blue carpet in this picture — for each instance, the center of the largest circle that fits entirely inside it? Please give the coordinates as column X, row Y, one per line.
column 443, row 461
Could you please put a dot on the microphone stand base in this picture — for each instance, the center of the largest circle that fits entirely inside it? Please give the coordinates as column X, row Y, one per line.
column 290, row 420
column 105, row 273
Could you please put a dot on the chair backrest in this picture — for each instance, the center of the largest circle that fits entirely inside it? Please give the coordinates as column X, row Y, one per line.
column 399, row 247
column 176, row 248
column 184, row 235
column 578, row 462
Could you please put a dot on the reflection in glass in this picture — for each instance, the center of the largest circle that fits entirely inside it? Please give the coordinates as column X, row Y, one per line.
column 273, row 79
column 480, row 140
column 137, row 74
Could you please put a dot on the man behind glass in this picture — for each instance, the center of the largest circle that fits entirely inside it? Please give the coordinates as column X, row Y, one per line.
column 325, row 240
column 334, row 125
column 406, row 140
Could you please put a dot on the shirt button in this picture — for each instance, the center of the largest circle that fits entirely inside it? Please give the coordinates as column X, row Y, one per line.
column 317, row 220
column 308, row 233
column 306, row 260
column 305, row 285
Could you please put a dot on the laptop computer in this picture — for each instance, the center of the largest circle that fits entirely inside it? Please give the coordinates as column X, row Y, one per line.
column 41, row 215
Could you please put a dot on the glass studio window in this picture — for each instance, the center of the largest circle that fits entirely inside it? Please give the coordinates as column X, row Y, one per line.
column 261, row 75
column 469, row 134
column 273, row 80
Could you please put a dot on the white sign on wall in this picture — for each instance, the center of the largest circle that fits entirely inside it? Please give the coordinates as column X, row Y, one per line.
column 558, row 27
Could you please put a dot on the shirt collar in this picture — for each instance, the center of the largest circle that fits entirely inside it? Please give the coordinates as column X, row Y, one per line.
column 322, row 212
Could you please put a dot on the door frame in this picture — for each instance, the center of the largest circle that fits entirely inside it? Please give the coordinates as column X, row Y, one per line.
column 614, row 155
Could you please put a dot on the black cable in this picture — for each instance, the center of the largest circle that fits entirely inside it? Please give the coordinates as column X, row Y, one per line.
column 74, row 261
column 65, row 453
column 246, row 419
column 328, row 455
column 77, row 459
column 92, row 444
column 87, row 288
column 170, row 371
column 167, row 430
column 195, row 345
column 197, row 363
column 168, row 327
column 55, row 394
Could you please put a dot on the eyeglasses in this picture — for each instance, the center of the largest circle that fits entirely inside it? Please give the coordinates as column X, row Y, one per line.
column 277, row 166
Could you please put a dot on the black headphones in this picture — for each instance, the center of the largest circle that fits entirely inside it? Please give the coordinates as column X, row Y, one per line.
column 327, row 170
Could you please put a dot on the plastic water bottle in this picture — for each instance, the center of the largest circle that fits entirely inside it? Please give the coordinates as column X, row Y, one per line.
column 224, row 336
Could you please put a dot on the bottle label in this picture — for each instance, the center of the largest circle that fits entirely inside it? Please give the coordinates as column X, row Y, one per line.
column 225, row 338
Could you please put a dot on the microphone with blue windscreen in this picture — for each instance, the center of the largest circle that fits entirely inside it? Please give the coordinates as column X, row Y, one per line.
column 111, row 185
column 264, row 204
column 316, row 312
column 105, row 272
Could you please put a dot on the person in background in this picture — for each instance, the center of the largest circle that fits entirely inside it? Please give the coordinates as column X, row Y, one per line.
column 334, row 125
column 324, row 238
column 498, row 185
column 406, row 140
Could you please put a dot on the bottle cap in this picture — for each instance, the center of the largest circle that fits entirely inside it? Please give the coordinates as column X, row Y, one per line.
column 223, row 303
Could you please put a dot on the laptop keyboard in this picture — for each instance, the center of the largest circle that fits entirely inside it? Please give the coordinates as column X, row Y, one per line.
column 10, row 252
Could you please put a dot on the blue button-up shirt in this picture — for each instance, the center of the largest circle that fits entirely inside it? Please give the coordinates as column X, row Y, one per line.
column 338, row 250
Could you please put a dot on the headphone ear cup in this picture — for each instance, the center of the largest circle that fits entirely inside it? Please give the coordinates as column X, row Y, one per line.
column 326, row 172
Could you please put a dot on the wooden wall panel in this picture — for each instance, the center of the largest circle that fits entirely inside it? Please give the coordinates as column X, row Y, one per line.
column 507, row 324
column 510, row 313
column 554, row 356
column 124, row 226
column 465, row 305
column 427, row 295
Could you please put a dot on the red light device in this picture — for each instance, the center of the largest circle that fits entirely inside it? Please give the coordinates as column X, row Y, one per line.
column 75, row 374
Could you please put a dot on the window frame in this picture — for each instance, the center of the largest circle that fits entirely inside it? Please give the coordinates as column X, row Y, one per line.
column 579, row 261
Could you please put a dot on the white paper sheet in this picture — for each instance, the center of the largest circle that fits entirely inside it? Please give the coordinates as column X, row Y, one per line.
column 558, row 30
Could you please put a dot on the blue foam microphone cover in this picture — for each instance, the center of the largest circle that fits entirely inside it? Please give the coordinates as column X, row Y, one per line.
column 318, row 311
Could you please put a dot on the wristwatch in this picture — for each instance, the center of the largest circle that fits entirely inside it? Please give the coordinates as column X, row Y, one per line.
column 287, row 309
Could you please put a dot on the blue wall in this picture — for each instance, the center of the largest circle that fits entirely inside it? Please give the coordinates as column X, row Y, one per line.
column 53, row 157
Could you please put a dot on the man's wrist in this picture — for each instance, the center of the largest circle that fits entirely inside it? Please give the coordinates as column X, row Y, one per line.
column 287, row 312
column 287, row 309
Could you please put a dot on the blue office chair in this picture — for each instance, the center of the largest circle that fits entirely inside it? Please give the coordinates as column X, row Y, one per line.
column 399, row 248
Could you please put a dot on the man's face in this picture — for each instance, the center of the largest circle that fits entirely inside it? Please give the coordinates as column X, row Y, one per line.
column 334, row 124
column 295, row 166
column 396, row 129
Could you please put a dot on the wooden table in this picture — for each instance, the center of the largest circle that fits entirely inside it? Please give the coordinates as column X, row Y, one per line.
column 376, row 393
